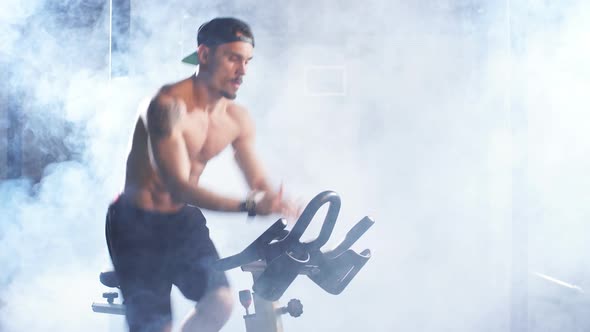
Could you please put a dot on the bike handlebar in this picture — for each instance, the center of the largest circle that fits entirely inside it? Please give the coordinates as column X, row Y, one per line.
column 285, row 256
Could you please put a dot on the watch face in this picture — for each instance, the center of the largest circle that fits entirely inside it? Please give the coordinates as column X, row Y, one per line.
column 258, row 196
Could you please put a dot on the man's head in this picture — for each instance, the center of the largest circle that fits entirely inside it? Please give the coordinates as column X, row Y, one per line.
column 225, row 46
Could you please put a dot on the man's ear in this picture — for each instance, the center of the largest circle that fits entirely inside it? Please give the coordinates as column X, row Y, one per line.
column 204, row 54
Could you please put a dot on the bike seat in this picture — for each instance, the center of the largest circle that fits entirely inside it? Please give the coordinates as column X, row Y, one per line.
column 109, row 279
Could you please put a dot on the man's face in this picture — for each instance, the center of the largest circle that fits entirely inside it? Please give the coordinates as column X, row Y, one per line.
column 228, row 65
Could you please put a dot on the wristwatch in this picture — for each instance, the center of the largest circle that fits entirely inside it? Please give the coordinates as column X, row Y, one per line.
column 249, row 205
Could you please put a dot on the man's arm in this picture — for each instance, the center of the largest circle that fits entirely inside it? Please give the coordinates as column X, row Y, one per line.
column 171, row 157
column 246, row 157
column 273, row 201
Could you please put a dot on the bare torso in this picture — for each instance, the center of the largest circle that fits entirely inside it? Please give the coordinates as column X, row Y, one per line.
column 206, row 134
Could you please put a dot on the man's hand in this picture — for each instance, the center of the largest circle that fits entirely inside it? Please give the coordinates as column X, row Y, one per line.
column 276, row 203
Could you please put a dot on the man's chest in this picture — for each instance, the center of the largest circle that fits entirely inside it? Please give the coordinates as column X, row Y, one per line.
column 207, row 136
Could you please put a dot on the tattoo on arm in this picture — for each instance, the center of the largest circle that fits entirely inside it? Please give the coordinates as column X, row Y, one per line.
column 163, row 114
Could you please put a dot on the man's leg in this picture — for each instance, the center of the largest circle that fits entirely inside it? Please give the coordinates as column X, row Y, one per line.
column 147, row 310
column 140, row 264
column 211, row 313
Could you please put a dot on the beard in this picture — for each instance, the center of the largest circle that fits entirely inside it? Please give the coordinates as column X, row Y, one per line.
column 228, row 95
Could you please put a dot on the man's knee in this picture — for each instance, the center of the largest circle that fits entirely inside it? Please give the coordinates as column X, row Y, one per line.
column 217, row 304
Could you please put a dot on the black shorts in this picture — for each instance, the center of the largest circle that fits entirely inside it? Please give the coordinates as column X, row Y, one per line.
column 151, row 251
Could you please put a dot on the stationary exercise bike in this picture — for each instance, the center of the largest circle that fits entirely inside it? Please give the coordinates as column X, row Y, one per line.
column 276, row 258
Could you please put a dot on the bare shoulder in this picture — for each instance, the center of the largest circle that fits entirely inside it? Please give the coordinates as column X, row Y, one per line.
column 240, row 114
column 164, row 112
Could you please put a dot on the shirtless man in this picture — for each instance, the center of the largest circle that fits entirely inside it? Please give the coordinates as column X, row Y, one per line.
column 156, row 234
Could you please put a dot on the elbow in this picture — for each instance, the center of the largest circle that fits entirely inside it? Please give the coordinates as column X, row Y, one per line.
column 179, row 191
column 259, row 184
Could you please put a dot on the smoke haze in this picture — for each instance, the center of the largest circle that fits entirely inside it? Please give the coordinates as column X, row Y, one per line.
column 416, row 113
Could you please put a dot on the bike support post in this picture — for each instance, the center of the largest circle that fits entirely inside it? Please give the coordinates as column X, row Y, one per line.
column 267, row 314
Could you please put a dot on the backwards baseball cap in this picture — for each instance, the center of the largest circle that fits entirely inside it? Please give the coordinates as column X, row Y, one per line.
column 219, row 31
